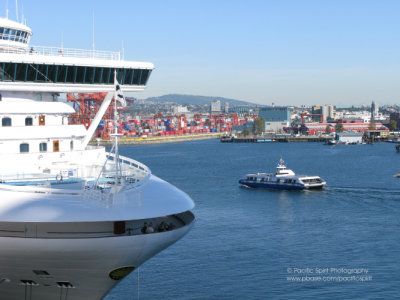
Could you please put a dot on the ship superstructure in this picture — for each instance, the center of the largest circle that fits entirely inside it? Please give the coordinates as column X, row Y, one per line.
column 73, row 217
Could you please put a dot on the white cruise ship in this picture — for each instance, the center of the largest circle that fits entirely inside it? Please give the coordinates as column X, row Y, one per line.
column 72, row 215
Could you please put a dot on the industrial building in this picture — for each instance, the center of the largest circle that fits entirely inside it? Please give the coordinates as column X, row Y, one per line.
column 349, row 137
column 215, row 107
column 276, row 117
column 323, row 113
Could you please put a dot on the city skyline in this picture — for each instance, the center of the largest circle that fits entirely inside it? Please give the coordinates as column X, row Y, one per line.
column 341, row 53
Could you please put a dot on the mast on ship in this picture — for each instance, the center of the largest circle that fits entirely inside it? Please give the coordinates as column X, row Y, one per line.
column 118, row 96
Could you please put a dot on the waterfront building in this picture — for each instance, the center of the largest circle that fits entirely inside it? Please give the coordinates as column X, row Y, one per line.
column 276, row 117
column 395, row 117
column 226, row 107
column 364, row 116
column 179, row 109
column 354, row 126
column 349, row 137
column 215, row 107
column 323, row 113
column 240, row 128
column 374, row 110
column 241, row 110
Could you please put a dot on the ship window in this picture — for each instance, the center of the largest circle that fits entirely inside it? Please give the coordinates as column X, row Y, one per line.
column 52, row 73
column 30, row 73
column 119, row 227
column 12, row 35
column 143, row 79
column 70, row 75
column 18, row 36
column 128, row 76
column 41, row 272
column 89, row 75
column 62, row 76
column 43, row 147
column 107, row 75
column 7, row 70
column 120, row 73
column 28, row 282
column 65, row 284
column 24, row 147
column 136, row 77
column 71, row 145
column 6, row 122
column 28, row 121
column 6, row 31
column 79, row 74
column 40, row 74
column 98, row 74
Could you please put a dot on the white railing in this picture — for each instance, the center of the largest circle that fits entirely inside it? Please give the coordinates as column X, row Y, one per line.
column 58, row 51
column 130, row 168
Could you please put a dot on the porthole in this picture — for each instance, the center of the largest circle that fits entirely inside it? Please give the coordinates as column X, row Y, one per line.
column 120, row 273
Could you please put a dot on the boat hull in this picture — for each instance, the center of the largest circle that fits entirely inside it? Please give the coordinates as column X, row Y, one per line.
column 271, row 185
column 85, row 263
column 78, row 238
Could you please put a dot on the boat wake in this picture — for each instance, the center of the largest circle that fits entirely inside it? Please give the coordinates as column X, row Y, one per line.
column 365, row 193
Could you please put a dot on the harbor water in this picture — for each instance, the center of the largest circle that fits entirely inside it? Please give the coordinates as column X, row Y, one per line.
column 341, row 242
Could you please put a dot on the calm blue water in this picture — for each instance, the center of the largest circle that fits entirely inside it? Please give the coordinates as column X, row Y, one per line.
column 245, row 241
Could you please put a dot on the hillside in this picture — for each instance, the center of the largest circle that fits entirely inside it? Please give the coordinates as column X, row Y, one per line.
column 197, row 100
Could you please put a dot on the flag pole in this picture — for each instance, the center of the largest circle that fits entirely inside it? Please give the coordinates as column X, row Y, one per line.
column 116, row 131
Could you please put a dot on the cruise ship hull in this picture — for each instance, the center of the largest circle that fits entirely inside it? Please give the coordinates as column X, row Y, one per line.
column 84, row 263
column 59, row 242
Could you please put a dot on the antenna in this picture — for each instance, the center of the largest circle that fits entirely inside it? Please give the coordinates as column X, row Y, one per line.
column 62, row 41
column 7, row 10
column 16, row 8
column 123, row 50
column 93, row 31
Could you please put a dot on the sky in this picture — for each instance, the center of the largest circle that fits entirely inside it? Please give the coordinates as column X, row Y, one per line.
column 287, row 52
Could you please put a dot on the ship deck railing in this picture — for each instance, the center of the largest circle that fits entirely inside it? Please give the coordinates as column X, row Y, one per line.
column 61, row 51
column 133, row 174
column 132, row 171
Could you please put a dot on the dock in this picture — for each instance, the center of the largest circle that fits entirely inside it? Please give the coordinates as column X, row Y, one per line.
column 156, row 140
column 279, row 139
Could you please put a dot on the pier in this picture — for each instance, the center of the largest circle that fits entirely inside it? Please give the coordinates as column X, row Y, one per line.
column 280, row 139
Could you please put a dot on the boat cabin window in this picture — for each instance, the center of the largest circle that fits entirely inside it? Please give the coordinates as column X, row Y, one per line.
column 13, row 35
column 28, row 121
column 6, row 121
column 43, row 147
column 24, row 147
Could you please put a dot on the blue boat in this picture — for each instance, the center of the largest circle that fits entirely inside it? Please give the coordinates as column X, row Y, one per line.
column 283, row 179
